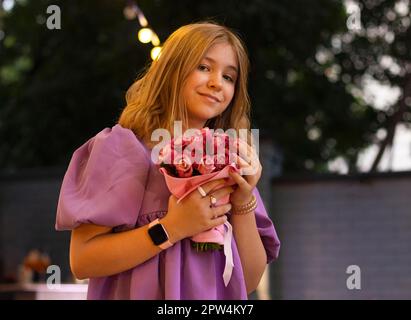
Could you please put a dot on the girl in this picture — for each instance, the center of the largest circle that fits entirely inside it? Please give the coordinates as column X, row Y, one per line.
column 112, row 194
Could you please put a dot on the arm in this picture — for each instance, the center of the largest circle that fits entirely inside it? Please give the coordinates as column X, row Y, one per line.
column 95, row 251
column 250, row 248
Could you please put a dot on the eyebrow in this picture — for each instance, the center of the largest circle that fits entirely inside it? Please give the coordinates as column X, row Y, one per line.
column 229, row 66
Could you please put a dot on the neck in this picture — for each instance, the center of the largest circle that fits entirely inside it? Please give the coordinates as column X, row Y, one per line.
column 195, row 125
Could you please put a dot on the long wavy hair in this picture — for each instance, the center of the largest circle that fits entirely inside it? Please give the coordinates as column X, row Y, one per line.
column 154, row 100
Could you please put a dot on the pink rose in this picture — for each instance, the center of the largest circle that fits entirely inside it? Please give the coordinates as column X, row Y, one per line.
column 220, row 143
column 220, row 161
column 167, row 155
column 232, row 158
column 206, row 165
column 206, row 133
column 195, row 149
column 207, row 141
column 179, row 143
column 183, row 166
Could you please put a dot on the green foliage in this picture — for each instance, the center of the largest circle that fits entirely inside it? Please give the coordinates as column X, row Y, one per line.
column 206, row 246
column 60, row 87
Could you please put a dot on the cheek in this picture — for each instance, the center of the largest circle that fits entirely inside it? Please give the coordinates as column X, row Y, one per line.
column 197, row 78
column 188, row 89
column 192, row 83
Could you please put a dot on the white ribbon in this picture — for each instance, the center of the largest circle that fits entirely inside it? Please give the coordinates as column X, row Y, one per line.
column 229, row 264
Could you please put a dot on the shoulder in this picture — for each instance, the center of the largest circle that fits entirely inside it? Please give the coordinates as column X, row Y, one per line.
column 119, row 136
column 118, row 141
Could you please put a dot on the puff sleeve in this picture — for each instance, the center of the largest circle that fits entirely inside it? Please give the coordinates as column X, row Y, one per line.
column 105, row 181
column 266, row 229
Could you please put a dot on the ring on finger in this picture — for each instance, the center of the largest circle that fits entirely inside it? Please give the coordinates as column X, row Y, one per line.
column 213, row 201
column 202, row 192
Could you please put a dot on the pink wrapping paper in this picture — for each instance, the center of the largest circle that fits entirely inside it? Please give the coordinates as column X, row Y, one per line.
column 181, row 187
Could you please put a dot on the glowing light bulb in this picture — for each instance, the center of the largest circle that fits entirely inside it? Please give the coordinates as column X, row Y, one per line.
column 144, row 35
column 130, row 12
column 155, row 40
column 155, row 53
column 142, row 19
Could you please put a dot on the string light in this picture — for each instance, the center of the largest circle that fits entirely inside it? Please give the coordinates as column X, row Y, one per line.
column 129, row 12
column 155, row 41
column 145, row 34
column 142, row 19
column 155, row 53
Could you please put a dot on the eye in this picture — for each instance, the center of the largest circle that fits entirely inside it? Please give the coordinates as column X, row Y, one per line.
column 228, row 78
column 203, row 67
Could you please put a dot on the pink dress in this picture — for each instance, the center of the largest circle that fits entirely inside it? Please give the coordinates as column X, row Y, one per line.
column 111, row 181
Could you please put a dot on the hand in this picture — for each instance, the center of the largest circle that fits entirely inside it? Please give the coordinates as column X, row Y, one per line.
column 250, row 168
column 193, row 214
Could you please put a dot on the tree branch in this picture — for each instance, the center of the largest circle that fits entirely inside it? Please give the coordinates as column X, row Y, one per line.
column 392, row 123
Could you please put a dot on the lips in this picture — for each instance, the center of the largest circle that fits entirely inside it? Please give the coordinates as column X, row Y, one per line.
column 210, row 96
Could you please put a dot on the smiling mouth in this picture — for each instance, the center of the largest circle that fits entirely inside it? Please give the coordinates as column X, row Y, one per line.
column 210, row 98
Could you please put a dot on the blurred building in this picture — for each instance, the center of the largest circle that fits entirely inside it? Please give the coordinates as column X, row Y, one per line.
column 325, row 224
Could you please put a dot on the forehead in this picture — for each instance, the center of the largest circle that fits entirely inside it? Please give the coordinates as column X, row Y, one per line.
column 222, row 54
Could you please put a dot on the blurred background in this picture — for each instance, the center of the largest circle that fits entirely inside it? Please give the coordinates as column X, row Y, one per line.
column 330, row 86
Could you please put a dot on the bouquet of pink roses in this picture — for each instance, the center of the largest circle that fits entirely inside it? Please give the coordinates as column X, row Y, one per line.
column 189, row 162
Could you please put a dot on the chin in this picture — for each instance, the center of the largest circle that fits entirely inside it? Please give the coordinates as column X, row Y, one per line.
column 204, row 116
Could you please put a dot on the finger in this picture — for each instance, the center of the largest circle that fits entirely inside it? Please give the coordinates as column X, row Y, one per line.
column 247, row 152
column 222, row 192
column 220, row 210
column 245, row 168
column 241, row 162
column 242, row 183
column 211, row 185
column 250, row 146
column 218, row 221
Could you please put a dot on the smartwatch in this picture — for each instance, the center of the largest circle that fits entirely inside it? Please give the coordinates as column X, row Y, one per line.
column 159, row 235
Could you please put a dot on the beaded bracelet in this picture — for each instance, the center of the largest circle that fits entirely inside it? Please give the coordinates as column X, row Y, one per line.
column 247, row 208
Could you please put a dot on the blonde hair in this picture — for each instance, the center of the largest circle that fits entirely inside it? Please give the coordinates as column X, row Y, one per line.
column 154, row 100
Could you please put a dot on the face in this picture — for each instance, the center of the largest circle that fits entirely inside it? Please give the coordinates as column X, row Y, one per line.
column 209, row 89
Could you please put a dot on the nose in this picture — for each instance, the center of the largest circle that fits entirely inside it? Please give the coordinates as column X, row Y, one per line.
column 214, row 82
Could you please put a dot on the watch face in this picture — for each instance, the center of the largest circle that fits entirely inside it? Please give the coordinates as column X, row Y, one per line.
column 157, row 234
